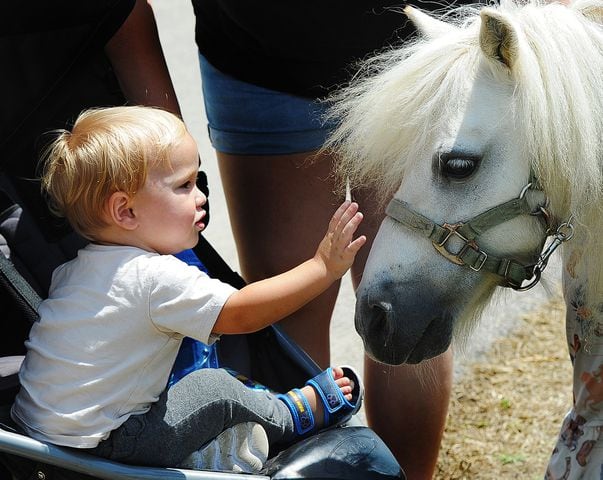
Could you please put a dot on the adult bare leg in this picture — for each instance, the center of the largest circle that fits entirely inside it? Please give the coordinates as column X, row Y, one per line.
column 405, row 405
column 279, row 206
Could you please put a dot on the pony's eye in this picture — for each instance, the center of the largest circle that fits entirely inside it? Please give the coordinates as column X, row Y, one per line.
column 458, row 167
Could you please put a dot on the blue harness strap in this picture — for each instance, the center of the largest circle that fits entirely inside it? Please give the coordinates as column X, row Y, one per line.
column 193, row 354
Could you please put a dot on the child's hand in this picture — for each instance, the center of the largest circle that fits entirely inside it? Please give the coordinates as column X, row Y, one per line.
column 262, row 303
column 337, row 249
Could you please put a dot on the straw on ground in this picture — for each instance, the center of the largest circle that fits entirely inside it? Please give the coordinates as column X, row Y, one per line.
column 506, row 412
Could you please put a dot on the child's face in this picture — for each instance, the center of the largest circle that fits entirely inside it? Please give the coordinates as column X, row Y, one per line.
column 169, row 205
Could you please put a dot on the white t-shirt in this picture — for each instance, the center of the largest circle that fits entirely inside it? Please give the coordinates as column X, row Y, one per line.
column 107, row 339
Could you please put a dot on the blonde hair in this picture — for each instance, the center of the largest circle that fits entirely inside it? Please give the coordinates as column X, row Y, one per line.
column 107, row 150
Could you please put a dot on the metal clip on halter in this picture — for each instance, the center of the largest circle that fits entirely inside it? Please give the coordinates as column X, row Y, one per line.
column 564, row 232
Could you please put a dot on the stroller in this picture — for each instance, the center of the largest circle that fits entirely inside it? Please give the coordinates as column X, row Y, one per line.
column 348, row 452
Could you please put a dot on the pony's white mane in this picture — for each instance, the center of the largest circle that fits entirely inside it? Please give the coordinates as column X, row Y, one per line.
column 399, row 97
column 396, row 99
column 391, row 109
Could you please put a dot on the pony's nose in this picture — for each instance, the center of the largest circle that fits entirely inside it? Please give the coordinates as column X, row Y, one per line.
column 398, row 328
column 381, row 319
column 376, row 324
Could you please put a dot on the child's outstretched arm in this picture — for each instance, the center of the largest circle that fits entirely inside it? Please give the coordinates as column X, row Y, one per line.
column 263, row 303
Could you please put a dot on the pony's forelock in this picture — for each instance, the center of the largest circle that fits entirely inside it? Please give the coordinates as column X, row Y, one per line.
column 390, row 110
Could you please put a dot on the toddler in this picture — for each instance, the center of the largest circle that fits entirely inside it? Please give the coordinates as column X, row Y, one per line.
column 99, row 358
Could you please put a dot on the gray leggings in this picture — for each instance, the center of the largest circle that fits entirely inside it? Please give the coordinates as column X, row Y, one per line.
column 192, row 412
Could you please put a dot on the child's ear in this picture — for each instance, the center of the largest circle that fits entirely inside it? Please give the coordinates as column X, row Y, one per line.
column 120, row 211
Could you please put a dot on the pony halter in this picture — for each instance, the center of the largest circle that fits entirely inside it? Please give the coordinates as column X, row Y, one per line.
column 513, row 273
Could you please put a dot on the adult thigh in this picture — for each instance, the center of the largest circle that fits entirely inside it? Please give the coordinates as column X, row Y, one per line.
column 280, row 207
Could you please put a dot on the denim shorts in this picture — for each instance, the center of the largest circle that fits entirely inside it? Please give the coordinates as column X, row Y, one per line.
column 246, row 119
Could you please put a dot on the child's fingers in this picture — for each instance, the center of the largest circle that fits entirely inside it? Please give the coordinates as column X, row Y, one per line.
column 347, row 233
column 340, row 238
column 356, row 245
column 347, row 216
column 335, row 219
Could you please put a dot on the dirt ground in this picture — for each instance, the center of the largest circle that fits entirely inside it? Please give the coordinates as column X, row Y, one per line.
column 506, row 412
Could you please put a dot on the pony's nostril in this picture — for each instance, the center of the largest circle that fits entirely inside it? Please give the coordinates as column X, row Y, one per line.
column 379, row 317
column 385, row 306
column 381, row 305
column 382, row 308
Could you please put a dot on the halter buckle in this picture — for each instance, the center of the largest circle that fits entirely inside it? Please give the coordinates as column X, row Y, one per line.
column 456, row 258
column 482, row 260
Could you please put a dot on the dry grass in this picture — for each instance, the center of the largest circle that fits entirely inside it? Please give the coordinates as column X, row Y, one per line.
column 506, row 412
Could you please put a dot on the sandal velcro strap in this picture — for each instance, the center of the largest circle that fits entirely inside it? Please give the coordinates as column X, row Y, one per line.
column 337, row 409
column 303, row 419
column 329, row 392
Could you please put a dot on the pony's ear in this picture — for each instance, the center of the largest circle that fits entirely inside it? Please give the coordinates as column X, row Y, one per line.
column 498, row 38
column 590, row 11
column 427, row 25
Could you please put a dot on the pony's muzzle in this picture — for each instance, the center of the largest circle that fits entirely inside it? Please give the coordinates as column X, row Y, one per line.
column 395, row 329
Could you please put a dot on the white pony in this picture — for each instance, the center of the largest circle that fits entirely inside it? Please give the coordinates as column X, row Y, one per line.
column 487, row 132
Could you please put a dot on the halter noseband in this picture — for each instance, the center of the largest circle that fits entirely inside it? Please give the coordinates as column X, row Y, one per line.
column 513, row 273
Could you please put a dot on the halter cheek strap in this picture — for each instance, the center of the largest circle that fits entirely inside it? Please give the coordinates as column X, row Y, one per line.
column 470, row 254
